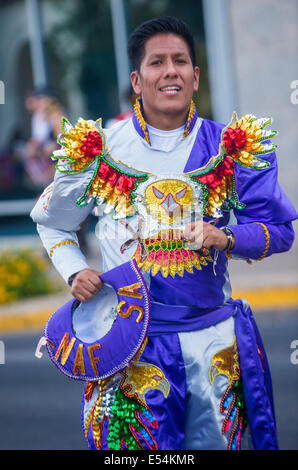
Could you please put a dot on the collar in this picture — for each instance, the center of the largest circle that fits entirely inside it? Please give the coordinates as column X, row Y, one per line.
column 141, row 126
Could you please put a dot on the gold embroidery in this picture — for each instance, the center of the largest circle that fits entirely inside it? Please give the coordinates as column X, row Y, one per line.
column 94, row 414
column 169, row 201
column 217, row 196
column 131, row 291
column 65, row 347
column 225, row 362
column 79, row 361
column 267, row 235
column 253, row 133
column 189, row 118
column 73, row 143
column 129, row 311
column 143, row 125
column 65, row 242
column 166, row 253
column 140, row 377
column 141, row 120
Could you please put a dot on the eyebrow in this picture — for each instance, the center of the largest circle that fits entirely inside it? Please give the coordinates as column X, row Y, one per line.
column 160, row 55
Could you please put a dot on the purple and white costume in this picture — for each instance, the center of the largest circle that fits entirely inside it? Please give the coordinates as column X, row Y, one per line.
column 169, row 359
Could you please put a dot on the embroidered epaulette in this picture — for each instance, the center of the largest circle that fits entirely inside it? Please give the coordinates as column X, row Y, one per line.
column 241, row 143
column 111, row 182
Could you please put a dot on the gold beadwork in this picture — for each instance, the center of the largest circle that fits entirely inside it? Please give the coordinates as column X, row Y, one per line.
column 65, row 242
column 143, row 125
column 65, row 347
column 189, row 118
column 166, row 253
column 79, row 361
column 131, row 308
column 94, row 421
column 140, row 378
column 169, row 200
column 141, row 120
column 73, row 143
column 131, row 291
column 225, row 362
column 267, row 235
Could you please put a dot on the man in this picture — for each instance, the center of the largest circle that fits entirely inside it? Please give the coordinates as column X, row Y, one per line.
column 170, row 180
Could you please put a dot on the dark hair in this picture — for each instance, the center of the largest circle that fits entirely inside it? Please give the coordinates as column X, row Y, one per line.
column 163, row 25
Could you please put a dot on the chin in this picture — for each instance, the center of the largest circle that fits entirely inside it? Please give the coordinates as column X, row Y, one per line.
column 175, row 108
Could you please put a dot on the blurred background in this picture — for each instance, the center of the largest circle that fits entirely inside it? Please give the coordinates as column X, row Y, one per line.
column 68, row 58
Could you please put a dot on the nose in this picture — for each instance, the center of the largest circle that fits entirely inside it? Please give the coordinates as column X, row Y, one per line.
column 170, row 70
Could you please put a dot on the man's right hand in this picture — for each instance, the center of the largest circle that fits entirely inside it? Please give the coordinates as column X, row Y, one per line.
column 86, row 284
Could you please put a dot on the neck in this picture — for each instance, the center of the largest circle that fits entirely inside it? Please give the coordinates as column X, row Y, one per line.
column 165, row 122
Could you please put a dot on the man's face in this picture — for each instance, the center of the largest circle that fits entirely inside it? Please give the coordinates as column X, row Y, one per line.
column 166, row 80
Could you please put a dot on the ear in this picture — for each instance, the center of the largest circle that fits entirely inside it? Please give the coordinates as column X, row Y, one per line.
column 196, row 78
column 135, row 82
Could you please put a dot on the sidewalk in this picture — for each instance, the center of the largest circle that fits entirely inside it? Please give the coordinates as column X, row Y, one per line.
column 268, row 285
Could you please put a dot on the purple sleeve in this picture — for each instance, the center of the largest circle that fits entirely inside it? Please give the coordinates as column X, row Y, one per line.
column 264, row 199
column 264, row 224
column 259, row 240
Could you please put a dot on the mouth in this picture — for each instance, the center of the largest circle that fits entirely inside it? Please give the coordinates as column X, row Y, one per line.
column 170, row 90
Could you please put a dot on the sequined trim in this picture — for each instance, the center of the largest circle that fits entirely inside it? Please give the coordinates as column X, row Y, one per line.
column 226, row 362
column 190, row 117
column 166, row 253
column 141, row 120
column 267, row 236
column 240, row 144
column 84, row 145
column 65, row 242
column 121, row 408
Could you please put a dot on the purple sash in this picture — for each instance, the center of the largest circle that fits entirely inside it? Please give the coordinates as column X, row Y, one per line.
column 253, row 361
column 256, row 380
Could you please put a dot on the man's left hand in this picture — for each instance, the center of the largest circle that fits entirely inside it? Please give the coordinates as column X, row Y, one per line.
column 206, row 236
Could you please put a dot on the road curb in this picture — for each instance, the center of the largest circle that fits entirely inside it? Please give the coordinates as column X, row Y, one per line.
column 29, row 316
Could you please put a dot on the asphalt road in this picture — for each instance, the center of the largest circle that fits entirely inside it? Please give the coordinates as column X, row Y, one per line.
column 40, row 407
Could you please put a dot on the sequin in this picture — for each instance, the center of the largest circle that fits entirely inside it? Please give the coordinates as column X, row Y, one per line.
column 240, row 143
column 226, row 362
column 169, row 256
column 121, row 404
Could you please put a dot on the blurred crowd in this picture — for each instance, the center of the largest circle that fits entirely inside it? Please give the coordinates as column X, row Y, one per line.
column 25, row 162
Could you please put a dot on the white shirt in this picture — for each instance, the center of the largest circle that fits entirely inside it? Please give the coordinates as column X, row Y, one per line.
column 165, row 140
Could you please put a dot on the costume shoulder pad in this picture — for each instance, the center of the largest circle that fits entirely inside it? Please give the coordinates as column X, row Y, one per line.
column 84, row 148
column 241, row 144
